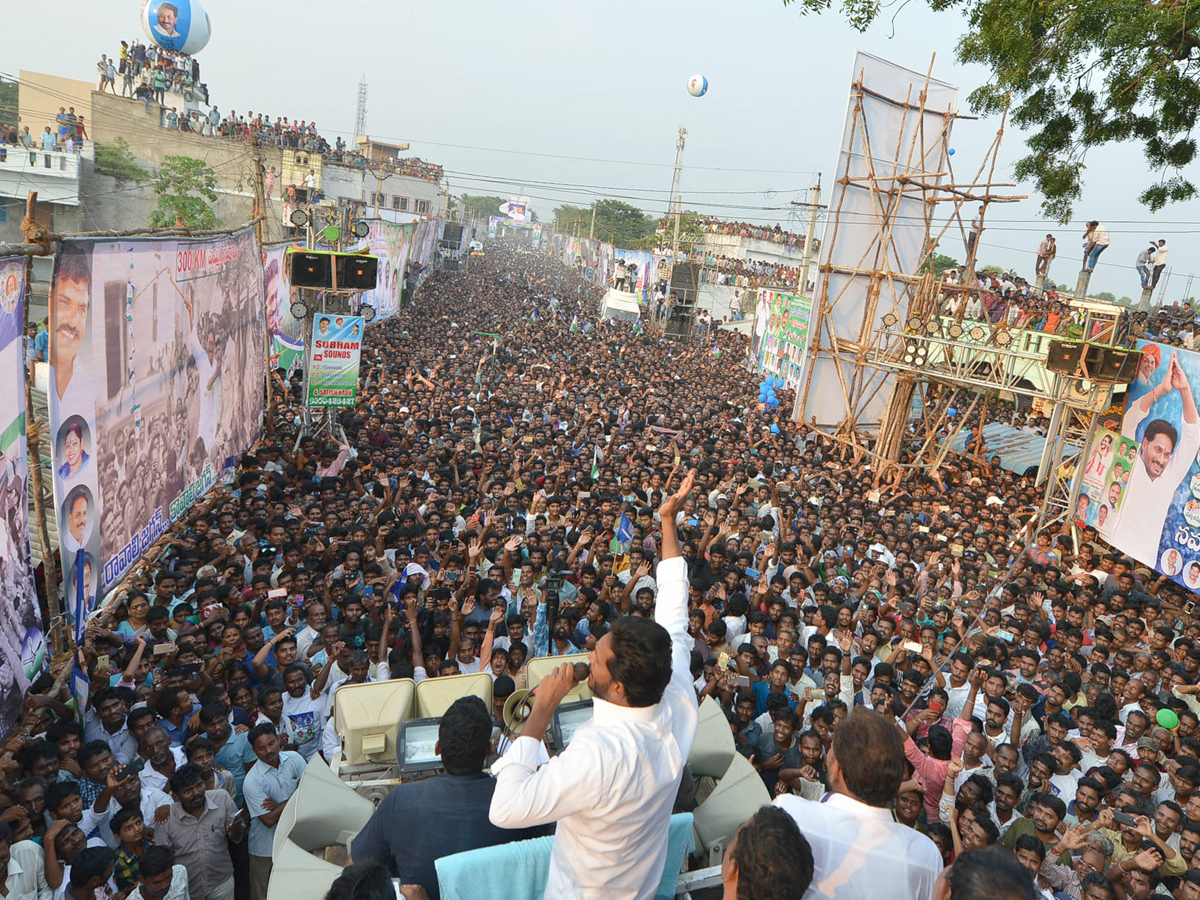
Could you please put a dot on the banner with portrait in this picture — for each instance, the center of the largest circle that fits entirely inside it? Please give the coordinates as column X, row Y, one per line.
column 391, row 243
column 333, row 361
column 1140, row 484
column 21, row 640
column 287, row 338
column 425, row 240
column 157, row 368
column 779, row 341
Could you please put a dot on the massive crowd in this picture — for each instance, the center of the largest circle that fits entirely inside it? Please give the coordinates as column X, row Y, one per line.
column 773, row 233
column 1021, row 684
column 1008, row 299
column 147, row 72
column 748, row 272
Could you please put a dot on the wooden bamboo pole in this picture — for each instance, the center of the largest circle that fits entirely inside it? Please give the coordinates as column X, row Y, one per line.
column 33, row 438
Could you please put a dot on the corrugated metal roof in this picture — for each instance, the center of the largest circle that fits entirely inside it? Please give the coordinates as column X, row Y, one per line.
column 1019, row 451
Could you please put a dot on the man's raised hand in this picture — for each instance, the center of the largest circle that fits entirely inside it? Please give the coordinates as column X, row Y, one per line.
column 672, row 504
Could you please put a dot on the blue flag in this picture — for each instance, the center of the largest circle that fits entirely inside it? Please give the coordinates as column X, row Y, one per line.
column 624, row 529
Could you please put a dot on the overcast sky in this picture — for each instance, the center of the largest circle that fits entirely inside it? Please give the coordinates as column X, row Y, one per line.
column 567, row 101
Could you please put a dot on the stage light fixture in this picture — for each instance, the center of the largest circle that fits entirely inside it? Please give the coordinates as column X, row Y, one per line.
column 367, row 312
column 1003, row 338
column 360, row 229
column 890, row 320
column 299, row 309
column 914, row 323
column 976, row 333
column 932, row 326
column 956, row 331
column 299, row 218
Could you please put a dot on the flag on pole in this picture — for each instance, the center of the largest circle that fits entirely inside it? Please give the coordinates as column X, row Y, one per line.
column 622, row 539
column 624, row 529
column 574, row 323
column 637, row 325
column 588, row 328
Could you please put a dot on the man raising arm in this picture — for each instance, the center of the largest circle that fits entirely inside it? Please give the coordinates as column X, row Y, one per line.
column 611, row 791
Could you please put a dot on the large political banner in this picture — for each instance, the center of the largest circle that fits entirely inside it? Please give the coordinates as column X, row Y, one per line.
column 391, row 243
column 22, row 645
column 780, row 338
column 424, row 241
column 287, row 338
column 157, row 367
column 333, row 362
column 1141, row 485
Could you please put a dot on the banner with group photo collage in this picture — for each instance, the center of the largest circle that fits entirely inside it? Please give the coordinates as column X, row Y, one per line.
column 333, row 360
column 157, row 366
column 22, row 643
column 1141, row 485
column 779, row 341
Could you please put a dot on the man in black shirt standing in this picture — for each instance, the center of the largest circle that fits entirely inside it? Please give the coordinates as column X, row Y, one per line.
column 422, row 821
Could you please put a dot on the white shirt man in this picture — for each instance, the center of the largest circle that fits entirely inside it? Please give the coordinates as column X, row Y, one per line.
column 859, row 852
column 1144, row 512
column 611, row 791
column 26, row 877
column 208, row 390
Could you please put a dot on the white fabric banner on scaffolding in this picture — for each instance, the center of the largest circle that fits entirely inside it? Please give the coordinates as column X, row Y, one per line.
column 893, row 138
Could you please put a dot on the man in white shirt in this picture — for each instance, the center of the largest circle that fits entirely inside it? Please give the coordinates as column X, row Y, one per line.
column 859, row 852
column 1160, row 263
column 208, row 373
column 1163, row 459
column 611, row 791
column 68, row 328
column 23, row 866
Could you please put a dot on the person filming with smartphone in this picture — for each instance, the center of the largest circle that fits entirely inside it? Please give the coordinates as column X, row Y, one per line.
column 611, row 791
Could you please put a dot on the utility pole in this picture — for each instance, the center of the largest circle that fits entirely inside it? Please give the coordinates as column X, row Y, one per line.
column 592, row 230
column 260, row 212
column 260, row 203
column 808, row 237
column 676, row 197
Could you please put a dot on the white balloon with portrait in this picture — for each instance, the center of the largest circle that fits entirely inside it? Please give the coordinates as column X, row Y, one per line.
column 697, row 85
column 180, row 25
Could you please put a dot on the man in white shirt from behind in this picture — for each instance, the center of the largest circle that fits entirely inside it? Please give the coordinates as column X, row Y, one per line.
column 612, row 790
column 859, row 853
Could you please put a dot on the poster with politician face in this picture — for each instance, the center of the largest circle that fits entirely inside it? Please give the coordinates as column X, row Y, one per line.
column 1147, row 474
column 157, row 361
column 178, row 25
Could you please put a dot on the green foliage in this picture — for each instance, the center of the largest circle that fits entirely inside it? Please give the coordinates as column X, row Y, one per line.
column 8, row 101
column 1081, row 74
column 116, row 160
column 939, row 263
column 619, row 223
column 185, row 188
column 1107, row 297
column 478, row 206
